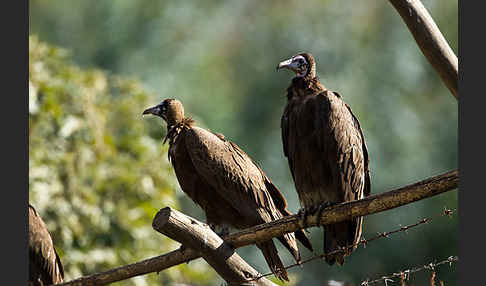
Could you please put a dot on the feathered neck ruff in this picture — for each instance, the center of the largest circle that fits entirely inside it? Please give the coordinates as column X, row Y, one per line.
column 304, row 86
column 174, row 130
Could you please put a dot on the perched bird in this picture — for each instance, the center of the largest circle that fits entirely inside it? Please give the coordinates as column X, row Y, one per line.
column 45, row 267
column 326, row 151
column 224, row 181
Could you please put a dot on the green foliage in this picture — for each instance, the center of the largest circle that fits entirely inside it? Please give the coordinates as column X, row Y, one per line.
column 218, row 58
column 96, row 176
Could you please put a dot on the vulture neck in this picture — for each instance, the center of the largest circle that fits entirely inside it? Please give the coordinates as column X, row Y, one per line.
column 174, row 128
column 174, row 117
column 303, row 86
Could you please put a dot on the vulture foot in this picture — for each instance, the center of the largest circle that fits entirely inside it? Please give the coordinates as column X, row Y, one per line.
column 303, row 214
column 223, row 229
column 322, row 207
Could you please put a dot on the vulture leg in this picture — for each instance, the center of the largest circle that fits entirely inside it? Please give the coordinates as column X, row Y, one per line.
column 221, row 230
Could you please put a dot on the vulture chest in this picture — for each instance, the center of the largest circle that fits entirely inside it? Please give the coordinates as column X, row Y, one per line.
column 317, row 132
column 217, row 210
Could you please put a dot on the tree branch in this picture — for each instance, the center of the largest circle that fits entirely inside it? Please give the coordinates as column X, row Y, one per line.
column 430, row 40
column 373, row 204
column 345, row 211
column 197, row 235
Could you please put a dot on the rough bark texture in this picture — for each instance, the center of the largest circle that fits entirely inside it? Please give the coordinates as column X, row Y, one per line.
column 377, row 203
column 345, row 211
column 197, row 235
column 431, row 41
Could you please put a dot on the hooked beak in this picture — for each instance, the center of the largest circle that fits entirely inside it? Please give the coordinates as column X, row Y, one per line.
column 288, row 64
column 152, row 110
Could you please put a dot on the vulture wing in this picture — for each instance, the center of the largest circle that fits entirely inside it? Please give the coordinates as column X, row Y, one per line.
column 284, row 125
column 45, row 267
column 351, row 162
column 231, row 171
column 233, row 174
column 366, row 159
column 351, row 168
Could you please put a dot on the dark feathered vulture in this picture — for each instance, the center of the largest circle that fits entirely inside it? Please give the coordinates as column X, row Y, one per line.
column 45, row 267
column 222, row 179
column 326, row 151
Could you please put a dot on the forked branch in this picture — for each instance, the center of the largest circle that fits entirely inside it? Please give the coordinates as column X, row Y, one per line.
column 217, row 253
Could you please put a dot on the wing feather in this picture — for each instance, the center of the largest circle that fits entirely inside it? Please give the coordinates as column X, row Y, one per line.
column 353, row 163
column 366, row 159
column 232, row 173
column 44, row 262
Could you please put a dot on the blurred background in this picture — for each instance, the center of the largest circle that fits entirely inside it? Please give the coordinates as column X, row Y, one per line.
column 99, row 172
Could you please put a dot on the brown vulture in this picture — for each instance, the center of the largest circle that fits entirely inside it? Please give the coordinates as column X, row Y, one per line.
column 224, row 181
column 45, row 267
column 326, row 151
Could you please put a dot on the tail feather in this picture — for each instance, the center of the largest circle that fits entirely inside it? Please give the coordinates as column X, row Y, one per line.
column 273, row 260
column 340, row 235
column 302, row 237
column 288, row 240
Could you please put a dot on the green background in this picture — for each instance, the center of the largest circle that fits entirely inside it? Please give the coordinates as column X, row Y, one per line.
column 98, row 171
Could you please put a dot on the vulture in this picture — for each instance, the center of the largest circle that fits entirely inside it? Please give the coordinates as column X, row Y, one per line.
column 45, row 266
column 326, row 152
column 224, row 181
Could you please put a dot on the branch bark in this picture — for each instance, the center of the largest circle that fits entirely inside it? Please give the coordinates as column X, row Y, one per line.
column 431, row 41
column 345, row 211
column 373, row 204
column 199, row 236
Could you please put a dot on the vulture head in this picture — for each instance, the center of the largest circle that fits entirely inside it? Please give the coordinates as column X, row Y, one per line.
column 171, row 110
column 302, row 64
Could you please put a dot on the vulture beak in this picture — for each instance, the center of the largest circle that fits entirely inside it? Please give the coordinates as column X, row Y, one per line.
column 288, row 64
column 152, row 110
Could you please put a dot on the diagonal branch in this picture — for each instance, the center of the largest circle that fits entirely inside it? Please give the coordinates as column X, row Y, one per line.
column 345, row 211
column 431, row 41
column 373, row 204
column 217, row 253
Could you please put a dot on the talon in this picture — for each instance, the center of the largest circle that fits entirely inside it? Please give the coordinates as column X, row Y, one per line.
column 223, row 232
column 320, row 209
column 303, row 215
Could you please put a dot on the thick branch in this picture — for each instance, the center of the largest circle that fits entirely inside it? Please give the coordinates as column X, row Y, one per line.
column 370, row 205
column 197, row 235
column 430, row 40
column 345, row 211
